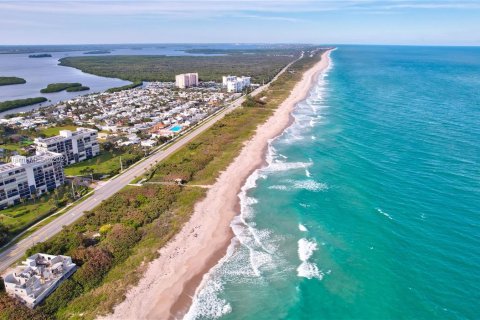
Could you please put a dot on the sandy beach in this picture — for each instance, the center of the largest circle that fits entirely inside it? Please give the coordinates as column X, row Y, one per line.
column 167, row 288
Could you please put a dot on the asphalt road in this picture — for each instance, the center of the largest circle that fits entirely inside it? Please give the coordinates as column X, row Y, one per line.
column 17, row 250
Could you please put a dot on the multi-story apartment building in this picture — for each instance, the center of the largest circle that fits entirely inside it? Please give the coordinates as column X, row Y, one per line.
column 75, row 146
column 25, row 176
column 40, row 275
column 235, row 84
column 186, row 80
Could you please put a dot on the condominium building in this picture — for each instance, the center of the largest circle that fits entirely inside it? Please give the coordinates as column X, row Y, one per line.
column 235, row 84
column 39, row 276
column 186, row 80
column 75, row 146
column 25, row 176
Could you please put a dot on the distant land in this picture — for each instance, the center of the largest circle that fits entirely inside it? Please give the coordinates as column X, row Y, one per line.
column 65, row 48
column 41, row 55
column 57, row 87
column 12, row 104
column 261, row 66
column 4, row 81
column 126, row 87
column 19, row 49
column 77, row 88
column 217, row 51
column 98, row 52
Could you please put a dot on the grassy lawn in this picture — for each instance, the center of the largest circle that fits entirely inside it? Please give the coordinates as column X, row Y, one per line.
column 54, row 131
column 12, row 147
column 107, row 163
column 18, row 217
column 18, row 147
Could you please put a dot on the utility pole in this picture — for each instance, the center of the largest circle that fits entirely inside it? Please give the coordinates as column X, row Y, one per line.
column 73, row 190
column 121, row 165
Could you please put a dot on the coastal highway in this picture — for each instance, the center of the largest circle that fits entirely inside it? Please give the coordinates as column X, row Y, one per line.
column 17, row 250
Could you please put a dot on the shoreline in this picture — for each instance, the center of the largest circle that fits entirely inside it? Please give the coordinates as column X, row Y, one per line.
column 168, row 286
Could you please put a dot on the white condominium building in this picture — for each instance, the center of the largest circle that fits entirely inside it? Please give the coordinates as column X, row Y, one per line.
column 75, row 146
column 25, row 176
column 186, row 80
column 235, row 84
column 39, row 276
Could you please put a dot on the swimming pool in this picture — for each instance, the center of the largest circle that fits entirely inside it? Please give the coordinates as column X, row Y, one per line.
column 176, row 128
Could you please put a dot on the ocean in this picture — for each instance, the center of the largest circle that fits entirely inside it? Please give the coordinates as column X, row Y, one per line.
column 369, row 207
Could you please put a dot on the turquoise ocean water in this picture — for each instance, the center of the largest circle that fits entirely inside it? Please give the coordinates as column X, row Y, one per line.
column 370, row 205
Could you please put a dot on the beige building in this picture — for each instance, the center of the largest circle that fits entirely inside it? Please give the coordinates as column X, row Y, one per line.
column 186, row 80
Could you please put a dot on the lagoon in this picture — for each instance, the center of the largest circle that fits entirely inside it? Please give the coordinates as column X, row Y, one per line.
column 39, row 72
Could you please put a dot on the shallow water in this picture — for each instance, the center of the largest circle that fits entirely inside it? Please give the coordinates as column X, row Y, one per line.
column 39, row 72
column 369, row 207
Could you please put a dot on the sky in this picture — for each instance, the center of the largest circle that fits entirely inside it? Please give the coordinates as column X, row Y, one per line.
column 408, row 22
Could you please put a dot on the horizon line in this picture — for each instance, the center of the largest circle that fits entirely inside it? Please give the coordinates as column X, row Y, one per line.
column 246, row 43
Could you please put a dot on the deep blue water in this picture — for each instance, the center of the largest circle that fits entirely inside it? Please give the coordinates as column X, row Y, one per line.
column 370, row 205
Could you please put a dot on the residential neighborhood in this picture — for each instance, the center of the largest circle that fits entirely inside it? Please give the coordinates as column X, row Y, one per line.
column 138, row 116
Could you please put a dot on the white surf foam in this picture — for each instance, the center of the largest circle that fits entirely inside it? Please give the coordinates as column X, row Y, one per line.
column 310, row 185
column 307, row 269
column 278, row 187
column 307, row 173
column 284, row 166
column 384, row 213
column 207, row 304
column 306, row 249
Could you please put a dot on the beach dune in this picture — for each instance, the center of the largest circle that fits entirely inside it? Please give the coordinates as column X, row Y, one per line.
column 167, row 288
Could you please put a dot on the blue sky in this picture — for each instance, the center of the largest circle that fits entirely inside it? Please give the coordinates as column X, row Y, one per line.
column 420, row 22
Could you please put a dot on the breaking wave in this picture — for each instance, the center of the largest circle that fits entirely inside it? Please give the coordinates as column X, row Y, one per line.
column 384, row 213
column 307, row 269
column 310, row 185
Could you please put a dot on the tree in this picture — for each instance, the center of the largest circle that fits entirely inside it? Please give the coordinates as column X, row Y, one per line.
column 56, row 194
column 88, row 171
column 3, row 234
